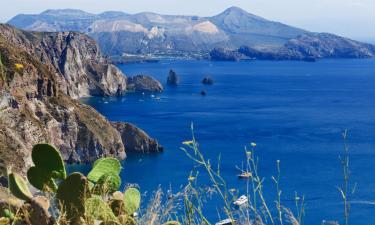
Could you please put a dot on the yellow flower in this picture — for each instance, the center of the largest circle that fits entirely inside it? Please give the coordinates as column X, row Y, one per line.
column 18, row 66
column 253, row 144
column 187, row 142
column 191, row 178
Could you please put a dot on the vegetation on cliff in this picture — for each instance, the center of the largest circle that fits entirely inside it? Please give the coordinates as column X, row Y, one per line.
column 94, row 199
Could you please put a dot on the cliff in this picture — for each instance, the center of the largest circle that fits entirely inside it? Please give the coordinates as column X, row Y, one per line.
column 309, row 47
column 40, row 75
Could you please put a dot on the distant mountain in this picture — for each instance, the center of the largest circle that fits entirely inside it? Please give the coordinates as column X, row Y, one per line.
column 149, row 33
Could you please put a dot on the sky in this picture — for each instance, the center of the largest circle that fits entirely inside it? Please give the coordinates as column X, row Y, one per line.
column 349, row 18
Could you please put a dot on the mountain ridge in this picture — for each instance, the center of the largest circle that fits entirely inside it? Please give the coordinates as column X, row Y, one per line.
column 148, row 33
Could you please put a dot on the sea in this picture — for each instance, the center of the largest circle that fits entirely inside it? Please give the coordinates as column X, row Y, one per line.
column 295, row 112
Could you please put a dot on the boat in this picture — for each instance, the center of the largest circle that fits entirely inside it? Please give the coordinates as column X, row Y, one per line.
column 241, row 200
column 226, row 222
column 245, row 175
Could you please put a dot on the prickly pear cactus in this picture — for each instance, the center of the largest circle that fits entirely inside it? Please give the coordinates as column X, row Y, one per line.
column 108, row 183
column 97, row 209
column 48, row 158
column 117, row 206
column 127, row 220
column 18, row 186
column 71, row 196
column 41, row 179
column 102, row 167
column 172, row 223
column 132, row 200
column 48, row 166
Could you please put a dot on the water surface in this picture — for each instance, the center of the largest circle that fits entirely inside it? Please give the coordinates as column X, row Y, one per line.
column 294, row 111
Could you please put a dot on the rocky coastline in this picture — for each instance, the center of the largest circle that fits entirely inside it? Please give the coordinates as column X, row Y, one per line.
column 42, row 77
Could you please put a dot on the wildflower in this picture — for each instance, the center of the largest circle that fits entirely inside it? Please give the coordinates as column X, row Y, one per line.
column 253, row 144
column 187, row 142
column 191, row 178
column 248, row 154
column 18, row 66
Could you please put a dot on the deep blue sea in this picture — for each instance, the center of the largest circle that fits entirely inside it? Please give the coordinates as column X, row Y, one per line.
column 294, row 111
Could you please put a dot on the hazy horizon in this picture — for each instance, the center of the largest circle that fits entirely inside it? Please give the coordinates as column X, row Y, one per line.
column 349, row 18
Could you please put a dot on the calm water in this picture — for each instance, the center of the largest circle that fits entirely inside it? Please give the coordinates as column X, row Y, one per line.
column 294, row 111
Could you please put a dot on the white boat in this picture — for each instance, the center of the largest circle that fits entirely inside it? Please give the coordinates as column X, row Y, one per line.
column 226, row 222
column 244, row 175
column 241, row 200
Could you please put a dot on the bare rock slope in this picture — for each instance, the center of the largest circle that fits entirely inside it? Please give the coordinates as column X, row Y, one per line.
column 40, row 75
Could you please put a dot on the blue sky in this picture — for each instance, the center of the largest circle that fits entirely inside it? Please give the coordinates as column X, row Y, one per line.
column 351, row 18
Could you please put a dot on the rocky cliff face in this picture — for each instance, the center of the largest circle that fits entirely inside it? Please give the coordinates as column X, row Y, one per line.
column 135, row 139
column 38, row 85
column 142, row 83
column 76, row 57
column 309, row 46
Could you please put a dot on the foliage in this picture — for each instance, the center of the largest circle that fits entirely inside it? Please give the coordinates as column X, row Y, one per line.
column 78, row 202
column 98, row 209
column 18, row 187
column 132, row 200
column 49, row 166
column 102, row 167
column 71, row 195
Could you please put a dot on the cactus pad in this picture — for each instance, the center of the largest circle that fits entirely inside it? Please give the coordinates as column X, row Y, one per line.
column 48, row 158
column 18, row 187
column 104, row 166
column 132, row 200
column 71, row 195
column 97, row 209
column 109, row 183
column 41, row 179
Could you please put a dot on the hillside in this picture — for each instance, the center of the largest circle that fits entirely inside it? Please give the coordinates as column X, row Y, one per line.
column 39, row 81
column 153, row 34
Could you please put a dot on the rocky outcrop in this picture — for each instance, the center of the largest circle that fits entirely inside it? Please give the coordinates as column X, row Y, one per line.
column 308, row 47
column 136, row 140
column 222, row 54
column 142, row 83
column 208, row 80
column 38, row 86
column 75, row 57
column 173, row 79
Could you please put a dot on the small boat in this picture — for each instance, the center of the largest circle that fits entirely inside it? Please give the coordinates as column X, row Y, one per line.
column 245, row 175
column 226, row 222
column 241, row 200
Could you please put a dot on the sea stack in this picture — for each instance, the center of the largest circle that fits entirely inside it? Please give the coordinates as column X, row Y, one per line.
column 173, row 79
column 208, row 80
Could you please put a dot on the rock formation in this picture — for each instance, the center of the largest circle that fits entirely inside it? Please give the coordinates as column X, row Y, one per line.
column 135, row 139
column 142, row 83
column 308, row 47
column 38, row 85
column 173, row 79
column 208, row 80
